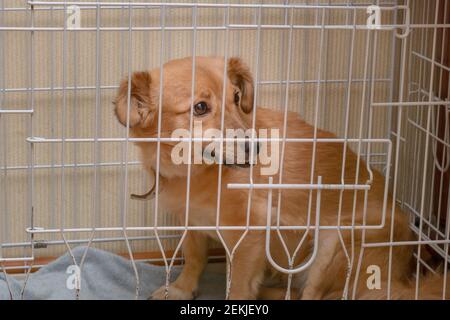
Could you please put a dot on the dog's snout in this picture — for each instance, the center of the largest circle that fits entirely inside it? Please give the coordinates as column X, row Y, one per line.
column 247, row 147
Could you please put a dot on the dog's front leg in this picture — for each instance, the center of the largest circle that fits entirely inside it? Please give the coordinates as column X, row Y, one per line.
column 247, row 267
column 195, row 249
column 324, row 271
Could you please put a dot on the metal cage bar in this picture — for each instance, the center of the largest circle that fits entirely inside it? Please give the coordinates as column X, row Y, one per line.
column 415, row 109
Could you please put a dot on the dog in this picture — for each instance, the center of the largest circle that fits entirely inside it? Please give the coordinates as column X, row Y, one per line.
column 340, row 258
column 430, row 288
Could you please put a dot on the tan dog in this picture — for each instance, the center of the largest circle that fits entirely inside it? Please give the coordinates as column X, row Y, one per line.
column 249, row 266
column 430, row 288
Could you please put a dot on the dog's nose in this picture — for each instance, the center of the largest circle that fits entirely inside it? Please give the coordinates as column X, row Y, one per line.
column 247, row 147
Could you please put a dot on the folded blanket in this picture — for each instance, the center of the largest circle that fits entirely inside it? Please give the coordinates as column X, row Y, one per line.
column 103, row 276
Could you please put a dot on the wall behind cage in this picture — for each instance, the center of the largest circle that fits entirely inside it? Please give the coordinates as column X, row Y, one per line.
column 70, row 79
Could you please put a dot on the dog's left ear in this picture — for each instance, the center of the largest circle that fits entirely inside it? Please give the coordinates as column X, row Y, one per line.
column 141, row 109
column 240, row 76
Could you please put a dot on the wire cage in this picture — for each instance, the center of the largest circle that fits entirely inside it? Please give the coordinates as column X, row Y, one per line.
column 375, row 73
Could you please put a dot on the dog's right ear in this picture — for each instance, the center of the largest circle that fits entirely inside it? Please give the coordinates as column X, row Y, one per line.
column 141, row 107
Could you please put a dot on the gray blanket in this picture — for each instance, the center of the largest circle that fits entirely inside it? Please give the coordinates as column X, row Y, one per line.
column 103, row 276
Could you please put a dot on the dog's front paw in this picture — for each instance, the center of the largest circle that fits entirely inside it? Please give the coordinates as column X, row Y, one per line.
column 174, row 293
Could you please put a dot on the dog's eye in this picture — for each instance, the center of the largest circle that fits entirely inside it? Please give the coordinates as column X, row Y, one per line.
column 200, row 108
column 236, row 98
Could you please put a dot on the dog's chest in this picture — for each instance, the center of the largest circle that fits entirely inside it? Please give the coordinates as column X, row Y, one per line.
column 201, row 210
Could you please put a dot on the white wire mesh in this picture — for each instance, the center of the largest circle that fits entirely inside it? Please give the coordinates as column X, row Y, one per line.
column 330, row 67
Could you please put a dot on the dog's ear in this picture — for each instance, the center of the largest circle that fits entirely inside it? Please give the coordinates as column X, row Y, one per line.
column 240, row 76
column 141, row 107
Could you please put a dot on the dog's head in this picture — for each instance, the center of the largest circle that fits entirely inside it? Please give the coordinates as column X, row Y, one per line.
column 189, row 110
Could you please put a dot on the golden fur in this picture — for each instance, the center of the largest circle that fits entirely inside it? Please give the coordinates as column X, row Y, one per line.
column 326, row 277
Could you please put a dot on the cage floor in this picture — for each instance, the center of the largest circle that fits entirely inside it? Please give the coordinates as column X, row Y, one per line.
column 103, row 276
